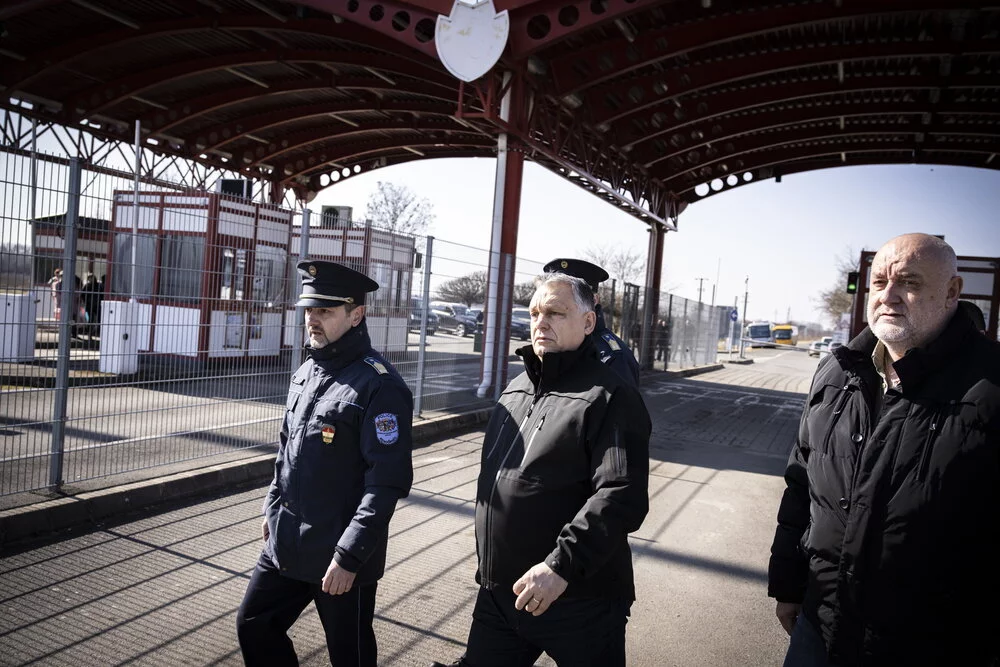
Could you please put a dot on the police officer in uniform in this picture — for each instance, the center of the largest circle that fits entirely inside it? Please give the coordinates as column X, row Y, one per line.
column 612, row 350
column 344, row 459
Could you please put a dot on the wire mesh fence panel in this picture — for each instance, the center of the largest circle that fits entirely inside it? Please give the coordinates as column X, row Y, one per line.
column 153, row 329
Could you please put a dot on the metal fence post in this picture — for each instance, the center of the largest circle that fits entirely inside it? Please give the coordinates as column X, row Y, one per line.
column 418, row 400
column 67, row 299
column 299, row 311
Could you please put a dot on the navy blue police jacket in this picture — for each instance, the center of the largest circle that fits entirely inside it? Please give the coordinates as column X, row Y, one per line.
column 613, row 351
column 344, row 459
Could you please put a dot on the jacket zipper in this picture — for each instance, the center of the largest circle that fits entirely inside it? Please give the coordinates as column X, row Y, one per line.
column 925, row 454
column 497, row 441
column 487, row 558
column 538, row 428
column 841, row 402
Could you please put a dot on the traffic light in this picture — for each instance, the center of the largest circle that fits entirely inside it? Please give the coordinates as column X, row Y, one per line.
column 852, row 282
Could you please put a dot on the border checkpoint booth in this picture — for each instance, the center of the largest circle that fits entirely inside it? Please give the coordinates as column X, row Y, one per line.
column 215, row 279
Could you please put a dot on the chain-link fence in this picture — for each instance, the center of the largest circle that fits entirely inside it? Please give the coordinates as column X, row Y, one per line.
column 148, row 330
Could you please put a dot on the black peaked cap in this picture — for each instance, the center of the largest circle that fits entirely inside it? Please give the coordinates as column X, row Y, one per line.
column 328, row 284
column 578, row 268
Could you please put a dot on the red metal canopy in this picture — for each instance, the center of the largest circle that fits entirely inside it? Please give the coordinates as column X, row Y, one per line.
column 650, row 103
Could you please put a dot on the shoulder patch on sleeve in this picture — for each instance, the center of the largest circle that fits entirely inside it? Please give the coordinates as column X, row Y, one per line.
column 610, row 339
column 387, row 428
column 377, row 365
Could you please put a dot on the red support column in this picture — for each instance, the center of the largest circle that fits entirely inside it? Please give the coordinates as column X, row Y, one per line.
column 654, row 261
column 503, row 243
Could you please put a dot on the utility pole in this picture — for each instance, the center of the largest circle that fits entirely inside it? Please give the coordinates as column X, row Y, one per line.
column 746, row 296
column 700, row 283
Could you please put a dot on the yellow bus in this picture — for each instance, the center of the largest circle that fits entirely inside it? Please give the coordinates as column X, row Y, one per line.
column 786, row 334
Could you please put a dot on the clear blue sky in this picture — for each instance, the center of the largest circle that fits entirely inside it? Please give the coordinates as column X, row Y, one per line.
column 785, row 237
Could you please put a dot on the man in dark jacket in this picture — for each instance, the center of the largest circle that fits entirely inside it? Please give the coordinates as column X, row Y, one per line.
column 563, row 480
column 344, row 459
column 885, row 548
column 611, row 349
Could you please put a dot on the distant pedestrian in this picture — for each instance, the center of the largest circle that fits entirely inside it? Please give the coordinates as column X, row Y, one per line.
column 344, row 459
column 55, row 287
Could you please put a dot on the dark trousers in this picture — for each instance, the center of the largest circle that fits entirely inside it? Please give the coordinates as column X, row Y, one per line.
column 272, row 604
column 575, row 632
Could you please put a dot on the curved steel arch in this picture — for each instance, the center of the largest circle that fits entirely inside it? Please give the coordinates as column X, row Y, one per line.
column 773, row 119
column 790, row 153
column 318, row 135
column 737, row 100
column 652, row 89
column 237, row 96
column 607, row 60
column 135, row 83
column 765, row 170
column 802, row 136
column 363, row 150
column 43, row 62
column 233, row 131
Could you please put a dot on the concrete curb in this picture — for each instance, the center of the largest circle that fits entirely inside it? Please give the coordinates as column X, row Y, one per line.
column 682, row 373
column 21, row 524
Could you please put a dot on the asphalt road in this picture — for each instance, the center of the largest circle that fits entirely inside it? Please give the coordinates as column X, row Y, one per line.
column 162, row 588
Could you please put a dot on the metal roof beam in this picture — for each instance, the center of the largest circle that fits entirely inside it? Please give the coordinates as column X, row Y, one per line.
column 404, row 23
column 205, row 104
column 717, row 133
column 352, row 153
column 606, row 60
column 107, row 13
column 776, row 155
column 726, row 163
column 50, row 57
column 766, row 169
column 664, row 119
column 307, row 138
column 102, row 97
column 229, row 132
column 627, row 96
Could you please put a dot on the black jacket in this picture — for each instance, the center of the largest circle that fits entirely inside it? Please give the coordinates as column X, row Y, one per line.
column 343, row 461
column 888, row 529
column 564, row 476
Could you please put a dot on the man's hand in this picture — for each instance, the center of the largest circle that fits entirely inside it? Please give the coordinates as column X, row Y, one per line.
column 538, row 588
column 787, row 613
column 337, row 580
column 265, row 532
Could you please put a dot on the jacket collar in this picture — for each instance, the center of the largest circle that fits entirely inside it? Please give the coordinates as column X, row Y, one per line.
column 917, row 363
column 349, row 347
column 544, row 371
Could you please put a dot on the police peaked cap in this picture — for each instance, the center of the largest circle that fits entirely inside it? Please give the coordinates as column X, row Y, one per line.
column 578, row 268
column 328, row 284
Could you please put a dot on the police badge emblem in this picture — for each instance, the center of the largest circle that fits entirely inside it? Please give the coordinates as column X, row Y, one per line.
column 387, row 428
column 328, row 432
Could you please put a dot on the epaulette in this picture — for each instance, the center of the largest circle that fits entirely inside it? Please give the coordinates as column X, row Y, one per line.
column 377, row 365
column 611, row 341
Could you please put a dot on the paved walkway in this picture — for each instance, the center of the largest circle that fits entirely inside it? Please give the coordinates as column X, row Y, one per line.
column 163, row 588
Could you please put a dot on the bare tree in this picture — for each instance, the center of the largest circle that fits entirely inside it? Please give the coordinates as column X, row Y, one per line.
column 622, row 264
column 398, row 209
column 468, row 289
column 523, row 293
column 836, row 301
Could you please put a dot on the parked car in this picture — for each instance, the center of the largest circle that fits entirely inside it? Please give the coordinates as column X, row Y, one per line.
column 416, row 315
column 520, row 323
column 454, row 318
column 818, row 346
